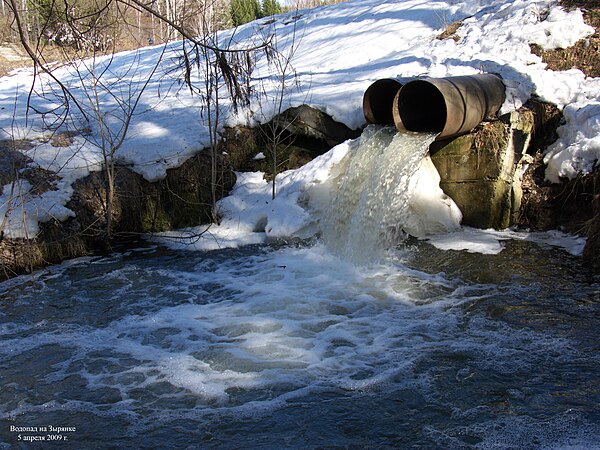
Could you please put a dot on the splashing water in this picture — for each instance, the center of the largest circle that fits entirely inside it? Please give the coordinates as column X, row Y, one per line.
column 291, row 346
column 370, row 205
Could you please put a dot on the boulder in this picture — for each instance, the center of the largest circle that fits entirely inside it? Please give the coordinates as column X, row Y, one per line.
column 310, row 123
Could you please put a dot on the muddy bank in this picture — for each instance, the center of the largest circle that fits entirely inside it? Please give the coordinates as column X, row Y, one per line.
column 184, row 197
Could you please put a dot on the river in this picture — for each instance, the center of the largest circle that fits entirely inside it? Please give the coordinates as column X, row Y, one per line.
column 360, row 337
column 290, row 346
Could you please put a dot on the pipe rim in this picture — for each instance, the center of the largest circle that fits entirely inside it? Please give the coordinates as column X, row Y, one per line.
column 378, row 101
column 409, row 103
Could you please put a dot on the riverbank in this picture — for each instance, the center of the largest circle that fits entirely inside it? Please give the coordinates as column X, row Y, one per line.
column 56, row 183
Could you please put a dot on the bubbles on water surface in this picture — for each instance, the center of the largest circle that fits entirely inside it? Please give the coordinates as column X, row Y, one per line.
column 248, row 334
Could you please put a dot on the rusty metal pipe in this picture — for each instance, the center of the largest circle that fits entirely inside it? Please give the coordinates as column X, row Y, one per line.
column 449, row 106
column 378, row 101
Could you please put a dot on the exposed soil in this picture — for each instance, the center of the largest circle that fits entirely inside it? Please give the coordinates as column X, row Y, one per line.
column 585, row 54
column 573, row 205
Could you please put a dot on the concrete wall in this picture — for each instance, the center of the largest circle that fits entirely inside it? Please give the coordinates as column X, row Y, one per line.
column 482, row 171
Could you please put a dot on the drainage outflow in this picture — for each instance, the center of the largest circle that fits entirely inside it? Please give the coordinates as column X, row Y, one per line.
column 378, row 101
column 449, row 106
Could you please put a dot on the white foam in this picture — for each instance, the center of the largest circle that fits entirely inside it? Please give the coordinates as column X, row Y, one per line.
column 284, row 322
column 565, row 430
column 387, row 188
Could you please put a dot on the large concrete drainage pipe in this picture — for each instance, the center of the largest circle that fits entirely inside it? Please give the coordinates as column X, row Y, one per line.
column 378, row 101
column 449, row 106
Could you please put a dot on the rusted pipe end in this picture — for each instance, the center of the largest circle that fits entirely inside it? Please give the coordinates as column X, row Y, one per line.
column 420, row 107
column 378, row 101
column 449, row 106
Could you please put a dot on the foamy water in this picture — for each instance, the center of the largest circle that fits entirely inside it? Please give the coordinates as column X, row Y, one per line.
column 361, row 338
column 387, row 188
column 273, row 347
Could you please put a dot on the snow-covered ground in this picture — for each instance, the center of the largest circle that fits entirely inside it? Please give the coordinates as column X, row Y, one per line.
column 338, row 52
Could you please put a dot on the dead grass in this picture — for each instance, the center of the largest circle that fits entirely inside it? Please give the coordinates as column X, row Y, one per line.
column 585, row 54
column 491, row 137
column 6, row 66
column 450, row 31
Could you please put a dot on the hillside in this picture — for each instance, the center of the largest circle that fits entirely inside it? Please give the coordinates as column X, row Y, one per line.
column 335, row 53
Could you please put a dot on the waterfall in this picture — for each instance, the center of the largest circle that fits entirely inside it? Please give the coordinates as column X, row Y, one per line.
column 371, row 206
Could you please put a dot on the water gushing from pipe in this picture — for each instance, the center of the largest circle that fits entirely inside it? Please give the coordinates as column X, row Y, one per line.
column 370, row 198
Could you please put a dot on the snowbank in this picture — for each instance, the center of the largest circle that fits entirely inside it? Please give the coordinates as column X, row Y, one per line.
column 338, row 51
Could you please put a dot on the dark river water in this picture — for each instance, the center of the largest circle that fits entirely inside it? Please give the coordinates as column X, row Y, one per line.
column 289, row 346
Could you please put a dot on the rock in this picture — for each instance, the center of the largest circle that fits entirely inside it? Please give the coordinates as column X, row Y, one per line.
column 182, row 199
column 306, row 122
column 591, row 252
column 302, row 133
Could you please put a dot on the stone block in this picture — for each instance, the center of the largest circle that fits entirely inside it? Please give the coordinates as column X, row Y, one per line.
column 484, row 203
column 480, row 171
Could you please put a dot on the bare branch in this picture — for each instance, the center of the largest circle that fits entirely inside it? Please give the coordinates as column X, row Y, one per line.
column 138, row 4
column 36, row 60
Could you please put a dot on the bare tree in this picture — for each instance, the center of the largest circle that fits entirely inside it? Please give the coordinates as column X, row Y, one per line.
column 112, row 122
column 276, row 132
column 222, row 70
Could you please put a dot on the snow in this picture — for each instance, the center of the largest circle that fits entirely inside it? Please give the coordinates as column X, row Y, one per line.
column 337, row 52
column 430, row 210
column 578, row 150
column 489, row 241
column 252, row 216
column 24, row 210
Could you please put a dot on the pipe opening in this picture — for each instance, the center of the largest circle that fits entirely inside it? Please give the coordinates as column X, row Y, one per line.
column 378, row 101
column 421, row 107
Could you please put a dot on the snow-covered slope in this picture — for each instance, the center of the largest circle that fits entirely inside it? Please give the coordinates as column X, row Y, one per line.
column 338, row 52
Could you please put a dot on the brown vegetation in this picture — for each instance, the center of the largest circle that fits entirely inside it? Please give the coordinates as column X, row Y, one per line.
column 574, row 204
column 585, row 54
column 450, row 31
